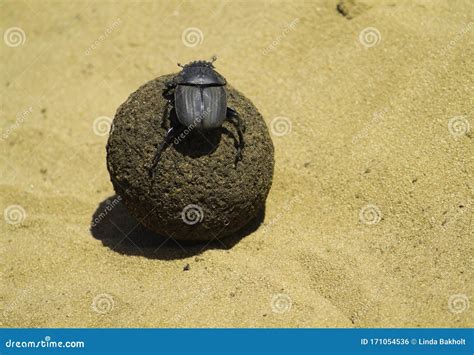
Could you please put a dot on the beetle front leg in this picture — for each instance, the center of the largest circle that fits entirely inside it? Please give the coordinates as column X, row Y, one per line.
column 231, row 113
column 166, row 113
column 169, row 86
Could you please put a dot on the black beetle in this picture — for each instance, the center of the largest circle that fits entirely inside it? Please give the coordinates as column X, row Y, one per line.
column 200, row 102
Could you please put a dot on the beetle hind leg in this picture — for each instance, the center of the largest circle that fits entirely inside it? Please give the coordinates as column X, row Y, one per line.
column 166, row 141
column 231, row 113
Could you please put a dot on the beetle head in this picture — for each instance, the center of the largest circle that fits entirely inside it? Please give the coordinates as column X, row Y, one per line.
column 200, row 72
column 200, row 63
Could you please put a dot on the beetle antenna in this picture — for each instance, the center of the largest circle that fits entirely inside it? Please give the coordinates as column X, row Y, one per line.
column 180, row 65
column 213, row 59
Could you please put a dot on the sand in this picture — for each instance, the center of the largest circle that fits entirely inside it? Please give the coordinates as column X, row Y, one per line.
column 369, row 219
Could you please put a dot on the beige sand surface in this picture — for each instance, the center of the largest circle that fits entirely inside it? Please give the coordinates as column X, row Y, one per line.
column 380, row 126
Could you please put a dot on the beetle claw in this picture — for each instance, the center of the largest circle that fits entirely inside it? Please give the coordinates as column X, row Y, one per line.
column 238, row 156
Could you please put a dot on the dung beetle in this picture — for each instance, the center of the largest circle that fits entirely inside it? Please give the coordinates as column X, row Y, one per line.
column 200, row 101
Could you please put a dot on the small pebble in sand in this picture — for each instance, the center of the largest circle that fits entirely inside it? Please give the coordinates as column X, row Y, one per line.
column 351, row 8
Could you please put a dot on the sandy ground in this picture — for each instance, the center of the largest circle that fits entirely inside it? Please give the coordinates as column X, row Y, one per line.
column 369, row 220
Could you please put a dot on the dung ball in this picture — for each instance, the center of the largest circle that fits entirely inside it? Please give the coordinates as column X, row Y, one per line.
column 198, row 192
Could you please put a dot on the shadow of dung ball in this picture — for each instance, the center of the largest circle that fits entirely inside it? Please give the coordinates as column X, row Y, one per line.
column 197, row 192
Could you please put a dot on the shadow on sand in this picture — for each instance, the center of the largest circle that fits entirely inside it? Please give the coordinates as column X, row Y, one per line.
column 118, row 230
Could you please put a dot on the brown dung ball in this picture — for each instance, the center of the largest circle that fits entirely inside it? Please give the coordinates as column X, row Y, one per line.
column 197, row 193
